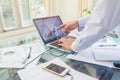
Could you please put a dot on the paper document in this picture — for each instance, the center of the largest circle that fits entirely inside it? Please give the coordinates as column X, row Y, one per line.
column 13, row 57
column 39, row 74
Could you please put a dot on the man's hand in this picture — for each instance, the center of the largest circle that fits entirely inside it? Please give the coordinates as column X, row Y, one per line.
column 66, row 43
column 69, row 26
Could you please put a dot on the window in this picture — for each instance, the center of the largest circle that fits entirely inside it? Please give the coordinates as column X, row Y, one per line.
column 7, row 15
column 15, row 14
column 0, row 26
column 37, row 8
column 25, row 12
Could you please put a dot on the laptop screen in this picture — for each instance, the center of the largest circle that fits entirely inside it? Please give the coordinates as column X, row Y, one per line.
column 47, row 28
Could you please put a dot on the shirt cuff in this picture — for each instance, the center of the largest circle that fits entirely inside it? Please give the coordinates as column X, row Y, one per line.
column 73, row 47
column 75, row 44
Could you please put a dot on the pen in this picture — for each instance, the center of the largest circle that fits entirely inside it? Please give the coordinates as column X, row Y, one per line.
column 29, row 55
column 107, row 45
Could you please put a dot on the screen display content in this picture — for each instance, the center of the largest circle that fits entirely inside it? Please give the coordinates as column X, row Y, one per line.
column 48, row 28
column 55, row 68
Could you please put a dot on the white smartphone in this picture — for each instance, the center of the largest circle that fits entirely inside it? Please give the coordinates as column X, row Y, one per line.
column 56, row 69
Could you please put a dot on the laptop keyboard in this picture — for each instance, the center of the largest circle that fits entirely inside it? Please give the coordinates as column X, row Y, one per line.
column 55, row 43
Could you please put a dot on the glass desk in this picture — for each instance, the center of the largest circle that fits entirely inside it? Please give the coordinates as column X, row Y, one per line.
column 96, row 71
column 101, row 72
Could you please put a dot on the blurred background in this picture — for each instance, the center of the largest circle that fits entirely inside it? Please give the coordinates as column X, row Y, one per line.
column 16, row 25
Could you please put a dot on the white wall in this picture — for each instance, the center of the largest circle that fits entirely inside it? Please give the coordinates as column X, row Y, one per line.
column 67, row 9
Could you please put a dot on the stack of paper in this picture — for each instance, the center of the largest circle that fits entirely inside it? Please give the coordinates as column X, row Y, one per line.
column 109, row 51
column 106, row 54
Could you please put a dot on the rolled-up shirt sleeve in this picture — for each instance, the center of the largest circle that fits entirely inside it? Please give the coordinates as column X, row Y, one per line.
column 105, row 17
column 82, row 21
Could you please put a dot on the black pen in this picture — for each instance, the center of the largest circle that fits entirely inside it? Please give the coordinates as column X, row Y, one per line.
column 29, row 55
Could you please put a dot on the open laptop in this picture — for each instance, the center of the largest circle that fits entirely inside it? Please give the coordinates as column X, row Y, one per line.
column 47, row 28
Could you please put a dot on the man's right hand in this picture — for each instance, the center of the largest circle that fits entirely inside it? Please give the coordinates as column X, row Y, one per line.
column 69, row 26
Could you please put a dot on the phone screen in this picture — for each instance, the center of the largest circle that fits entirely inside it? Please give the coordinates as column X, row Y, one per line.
column 55, row 68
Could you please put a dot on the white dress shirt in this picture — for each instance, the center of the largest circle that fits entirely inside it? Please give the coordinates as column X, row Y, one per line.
column 104, row 18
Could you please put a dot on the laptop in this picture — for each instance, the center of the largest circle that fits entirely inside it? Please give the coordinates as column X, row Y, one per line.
column 47, row 28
